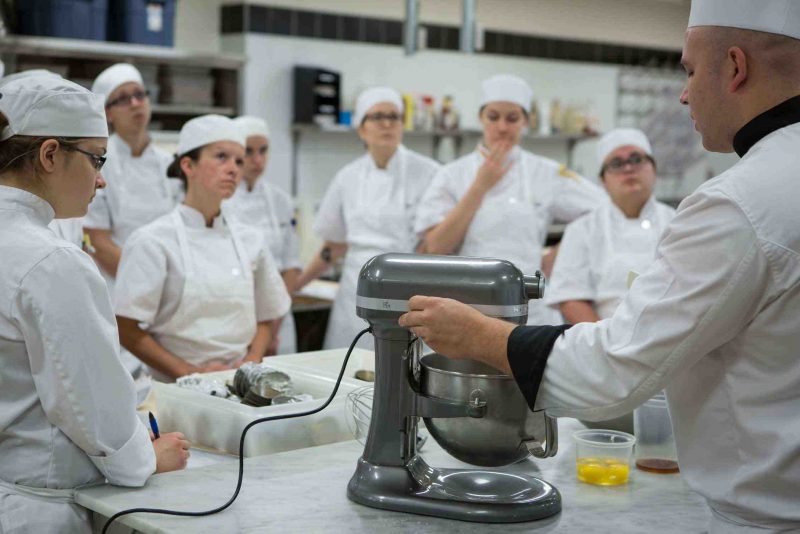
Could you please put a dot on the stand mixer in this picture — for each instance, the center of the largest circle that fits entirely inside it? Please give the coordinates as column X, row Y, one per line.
column 473, row 411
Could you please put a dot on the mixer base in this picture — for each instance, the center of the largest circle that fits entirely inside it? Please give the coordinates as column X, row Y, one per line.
column 476, row 495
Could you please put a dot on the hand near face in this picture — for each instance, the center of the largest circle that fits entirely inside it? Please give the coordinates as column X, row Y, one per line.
column 495, row 165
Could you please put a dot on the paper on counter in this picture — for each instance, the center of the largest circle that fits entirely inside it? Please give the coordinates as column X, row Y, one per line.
column 320, row 289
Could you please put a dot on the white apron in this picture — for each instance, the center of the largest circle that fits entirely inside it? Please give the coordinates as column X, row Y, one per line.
column 388, row 228
column 215, row 307
column 511, row 225
column 287, row 342
column 632, row 249
column 41, row 510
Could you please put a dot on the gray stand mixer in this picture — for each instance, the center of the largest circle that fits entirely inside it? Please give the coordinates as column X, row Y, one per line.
column 473, row 411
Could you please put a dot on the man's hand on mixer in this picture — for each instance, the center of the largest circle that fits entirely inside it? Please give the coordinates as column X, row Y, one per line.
column 456, row 330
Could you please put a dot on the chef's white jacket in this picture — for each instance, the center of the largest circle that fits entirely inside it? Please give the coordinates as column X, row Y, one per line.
column 270, row 209
column 137, row 190
column 512, row 221
column 151, row 275
column 67, row 406
column 715, row 320
column 69, row 230
column 372, row 210
column 599, row 249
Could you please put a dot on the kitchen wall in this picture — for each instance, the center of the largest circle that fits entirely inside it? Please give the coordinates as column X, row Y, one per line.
column 647, row 23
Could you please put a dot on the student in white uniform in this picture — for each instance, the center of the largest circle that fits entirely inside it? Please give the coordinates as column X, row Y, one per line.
column 68, row 229
column 716, row 318
column 369, row 208
column 268, row 207
column 205, row 288
column 590, row 275
column 67, row 406
column 138, row 190
column 499, row 200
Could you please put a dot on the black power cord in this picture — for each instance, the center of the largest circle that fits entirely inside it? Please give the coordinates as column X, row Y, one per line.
column 250, row 425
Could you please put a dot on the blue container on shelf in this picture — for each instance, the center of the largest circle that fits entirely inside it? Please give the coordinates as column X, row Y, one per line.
column 143, row 21
column 77, row 19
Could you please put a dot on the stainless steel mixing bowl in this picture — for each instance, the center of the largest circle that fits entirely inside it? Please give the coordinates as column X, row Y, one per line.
column 507, row 433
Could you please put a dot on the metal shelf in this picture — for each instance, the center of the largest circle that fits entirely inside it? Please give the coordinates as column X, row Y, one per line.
column 54, row 47
column 313, row 128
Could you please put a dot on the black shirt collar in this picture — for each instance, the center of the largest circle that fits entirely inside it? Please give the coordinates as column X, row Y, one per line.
column 782, row 115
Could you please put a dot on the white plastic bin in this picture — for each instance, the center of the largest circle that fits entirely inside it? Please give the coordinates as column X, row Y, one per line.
column 218, row 423
column 326, row 363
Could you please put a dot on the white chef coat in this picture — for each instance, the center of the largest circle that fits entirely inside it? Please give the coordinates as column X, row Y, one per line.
column 716, row 319
column 67, row 406
column 512, row 221
column 271, row 210
column 137, row 192
column 598, row 251
column 69, row 230
column 152, row 277
column 372, row 210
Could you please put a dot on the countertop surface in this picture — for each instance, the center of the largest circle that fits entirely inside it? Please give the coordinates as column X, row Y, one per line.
column 305, row 491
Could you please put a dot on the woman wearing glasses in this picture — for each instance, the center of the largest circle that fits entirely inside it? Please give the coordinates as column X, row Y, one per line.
column 67, row 229
column 197, row 292
column 369, row 207
column 590, row 275
column 499, row 200
column 67, row 405
column 138, row 191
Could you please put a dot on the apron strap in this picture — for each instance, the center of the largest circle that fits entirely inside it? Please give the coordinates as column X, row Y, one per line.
column 183, row 241
column 42, row 494
column 239, row 248
column 273, row 217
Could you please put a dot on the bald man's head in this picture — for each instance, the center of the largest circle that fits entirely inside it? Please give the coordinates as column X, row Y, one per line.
column 771, row 55
column 733, row 75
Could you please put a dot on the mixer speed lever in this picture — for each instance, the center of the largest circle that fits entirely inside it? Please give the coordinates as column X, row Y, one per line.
column 534, row 285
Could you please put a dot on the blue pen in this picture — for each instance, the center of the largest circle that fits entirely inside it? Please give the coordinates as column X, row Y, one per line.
column 153, row 424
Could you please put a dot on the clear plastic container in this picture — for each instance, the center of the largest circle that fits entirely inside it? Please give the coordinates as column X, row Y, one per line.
column 655, row 442
column 603, row 457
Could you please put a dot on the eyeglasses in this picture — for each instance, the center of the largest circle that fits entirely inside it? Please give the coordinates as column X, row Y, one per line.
column 125, row 100
column 635, row 160
column 261, row 151
column 380, row 117
column 98, row 161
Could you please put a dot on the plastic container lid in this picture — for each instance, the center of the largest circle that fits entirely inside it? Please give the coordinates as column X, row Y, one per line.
column 605, row 439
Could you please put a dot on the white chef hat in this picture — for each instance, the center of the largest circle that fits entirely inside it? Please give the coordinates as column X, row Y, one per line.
column 507, row 88
column 372, row 96
column 207, row 129
column 781, row 17
column 50, row 105
column 27, row 73
column 622, row 137
column 114, row 76
column 251, row 126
